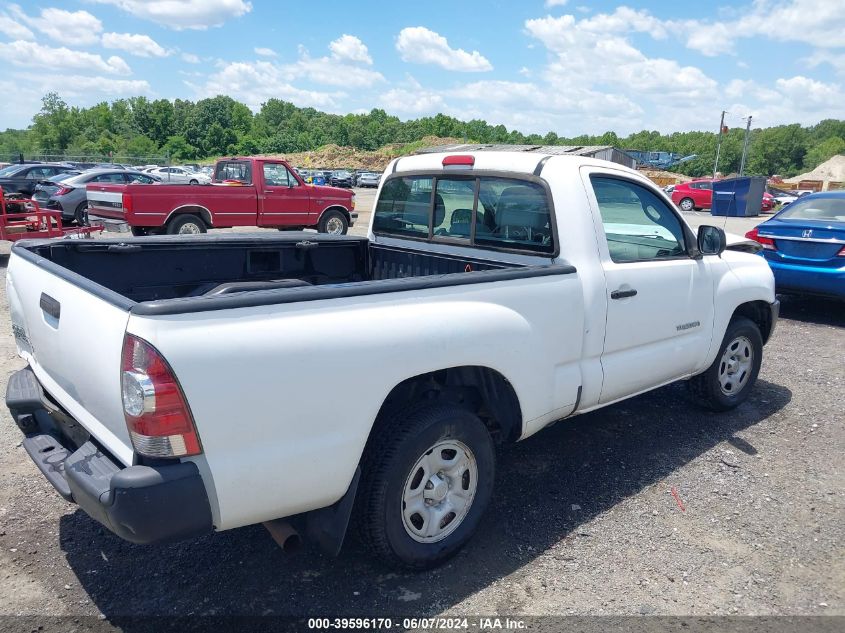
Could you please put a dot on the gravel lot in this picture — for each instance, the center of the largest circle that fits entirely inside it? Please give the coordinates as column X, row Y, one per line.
column 583, row 520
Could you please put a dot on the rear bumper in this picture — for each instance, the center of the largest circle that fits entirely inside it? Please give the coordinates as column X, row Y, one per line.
column 815, row 280
column 141, row 504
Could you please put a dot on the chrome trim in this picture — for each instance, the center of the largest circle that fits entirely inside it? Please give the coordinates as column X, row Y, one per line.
column 207, row 220
column 831, row 240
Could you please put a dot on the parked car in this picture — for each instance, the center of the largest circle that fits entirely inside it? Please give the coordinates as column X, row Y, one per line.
column 767, row 205
column 369, row 179
column 68, row 194
column 180, row 175
column 341, row 178
column 264, row 193
column 693, row 195
column 23, row 178
column 480, row 314
column 805, row 245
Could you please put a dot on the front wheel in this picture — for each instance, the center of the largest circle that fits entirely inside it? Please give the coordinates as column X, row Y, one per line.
column 186, row 225
column 427, row 479
column 727, row 383
column 333, row 223
column 193, row 181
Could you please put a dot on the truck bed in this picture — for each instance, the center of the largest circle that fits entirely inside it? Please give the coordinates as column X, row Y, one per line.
column 178, row 274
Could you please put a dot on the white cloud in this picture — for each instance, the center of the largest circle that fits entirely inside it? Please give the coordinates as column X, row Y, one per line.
column 80, row 85
column 413, row 102
column 184, row 14
column 834, row 60
column 420, row 45
column 256, row 82
column 190, row 58
column 350, row 48
column 819, row 23
column 555, row 3
column 345, row 66
column 70, row 27
column 14, row 29
column 134, row 44
column 796, row 99
column 32, row 55
column 264, row 52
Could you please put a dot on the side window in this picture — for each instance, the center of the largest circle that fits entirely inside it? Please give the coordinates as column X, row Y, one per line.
column 513, row 214
column 638, row 225
column 108, row 178
column 453, row 202
column 275, row 175
column 404, row 206
column 292, row 181
column 37, row 173
column 139, row 179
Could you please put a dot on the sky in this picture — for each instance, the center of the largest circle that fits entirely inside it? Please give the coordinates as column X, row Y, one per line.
column 567, row 66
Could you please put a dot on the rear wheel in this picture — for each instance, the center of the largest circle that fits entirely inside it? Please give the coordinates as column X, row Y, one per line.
column 427, row 479
column 193, row 181
column 728, row 382
column 81, row 214
column 687, row 204
column 333, row 223
column 186, row 225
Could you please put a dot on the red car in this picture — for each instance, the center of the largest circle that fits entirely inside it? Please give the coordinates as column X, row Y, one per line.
column 698, row 194
column 244, row 192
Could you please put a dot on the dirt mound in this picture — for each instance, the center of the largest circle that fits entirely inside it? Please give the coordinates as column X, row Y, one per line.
column 337, row 157
column 830, row 170
column 663, row 175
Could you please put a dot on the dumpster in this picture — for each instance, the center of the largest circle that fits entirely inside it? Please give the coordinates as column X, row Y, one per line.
column 738, row 197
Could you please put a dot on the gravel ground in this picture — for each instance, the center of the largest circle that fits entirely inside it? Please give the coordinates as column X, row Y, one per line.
column 583, row 519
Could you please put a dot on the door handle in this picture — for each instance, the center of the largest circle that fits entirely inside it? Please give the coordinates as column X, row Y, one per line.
column 622, row 294
column 50, row 306
column 268, row 192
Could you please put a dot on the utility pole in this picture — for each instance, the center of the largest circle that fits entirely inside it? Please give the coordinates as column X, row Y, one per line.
column 745, row 146
column 719, row 144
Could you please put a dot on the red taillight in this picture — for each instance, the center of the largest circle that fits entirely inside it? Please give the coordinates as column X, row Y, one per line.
column 841, row 253
column 766, row 242
column 127, row 203
column 157, row 415
column 459, row 160
column 61, row 191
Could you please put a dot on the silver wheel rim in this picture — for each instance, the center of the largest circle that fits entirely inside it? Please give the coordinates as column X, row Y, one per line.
column 736, row 365
column 334, row 226
column 189, row 229
column 439, row 491
column 686, row 205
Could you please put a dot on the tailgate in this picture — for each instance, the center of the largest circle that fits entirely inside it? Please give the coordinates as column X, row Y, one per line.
column 72, row 339
column 106, row 201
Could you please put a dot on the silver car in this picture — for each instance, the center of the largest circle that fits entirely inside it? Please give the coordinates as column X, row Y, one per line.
column 369, row 179
column 180, row 175
column 68, row 194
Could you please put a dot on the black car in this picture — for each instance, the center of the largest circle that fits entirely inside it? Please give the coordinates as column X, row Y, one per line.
column 341, row 178
column 22, row 178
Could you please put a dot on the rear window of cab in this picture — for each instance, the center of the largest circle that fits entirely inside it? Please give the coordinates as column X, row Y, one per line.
column 486, row 211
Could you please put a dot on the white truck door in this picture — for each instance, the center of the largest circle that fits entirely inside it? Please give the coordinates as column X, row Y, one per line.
column 660, row 300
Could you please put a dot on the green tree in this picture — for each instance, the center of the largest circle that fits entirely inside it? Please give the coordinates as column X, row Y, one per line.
column 178, row 148
column 825, row 150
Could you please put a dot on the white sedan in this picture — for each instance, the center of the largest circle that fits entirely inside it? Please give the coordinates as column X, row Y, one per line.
column 180, row 175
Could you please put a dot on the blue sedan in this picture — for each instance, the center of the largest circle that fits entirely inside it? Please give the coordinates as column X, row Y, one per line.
column 805, row 245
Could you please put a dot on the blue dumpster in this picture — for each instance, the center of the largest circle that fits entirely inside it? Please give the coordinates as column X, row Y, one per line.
column 738, row 197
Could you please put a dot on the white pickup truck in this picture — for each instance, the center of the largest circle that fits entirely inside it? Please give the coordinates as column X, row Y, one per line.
column 183, row 384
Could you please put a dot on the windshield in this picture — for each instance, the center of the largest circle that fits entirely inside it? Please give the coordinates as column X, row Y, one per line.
column 830, row 209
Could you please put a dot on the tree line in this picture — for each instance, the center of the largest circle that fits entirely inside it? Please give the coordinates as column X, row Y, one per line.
column 185, row 130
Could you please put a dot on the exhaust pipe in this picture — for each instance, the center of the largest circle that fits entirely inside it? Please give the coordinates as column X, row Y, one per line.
column 284, row 534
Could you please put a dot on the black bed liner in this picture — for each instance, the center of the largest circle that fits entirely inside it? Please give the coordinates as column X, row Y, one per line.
column 165, row 275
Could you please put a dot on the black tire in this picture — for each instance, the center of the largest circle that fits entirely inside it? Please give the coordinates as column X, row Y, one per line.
column 138, row 231
column 193, row 182
column 391, row 455
column 180, row 222
column 81, row 214
column 687, row 204
column 706, row 388
column 327, row 220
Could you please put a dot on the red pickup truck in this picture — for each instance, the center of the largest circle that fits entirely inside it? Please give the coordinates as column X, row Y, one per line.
column 244, row 192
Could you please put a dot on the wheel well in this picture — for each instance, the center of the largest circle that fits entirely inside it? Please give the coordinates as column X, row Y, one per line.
column 343, row 210
column 190, row 210
column 760, row 313
column 482, row 390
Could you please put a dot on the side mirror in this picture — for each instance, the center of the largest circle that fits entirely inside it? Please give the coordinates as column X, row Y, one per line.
column 711, row 240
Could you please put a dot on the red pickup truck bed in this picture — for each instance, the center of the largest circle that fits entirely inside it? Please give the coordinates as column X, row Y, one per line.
column 244, row 192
